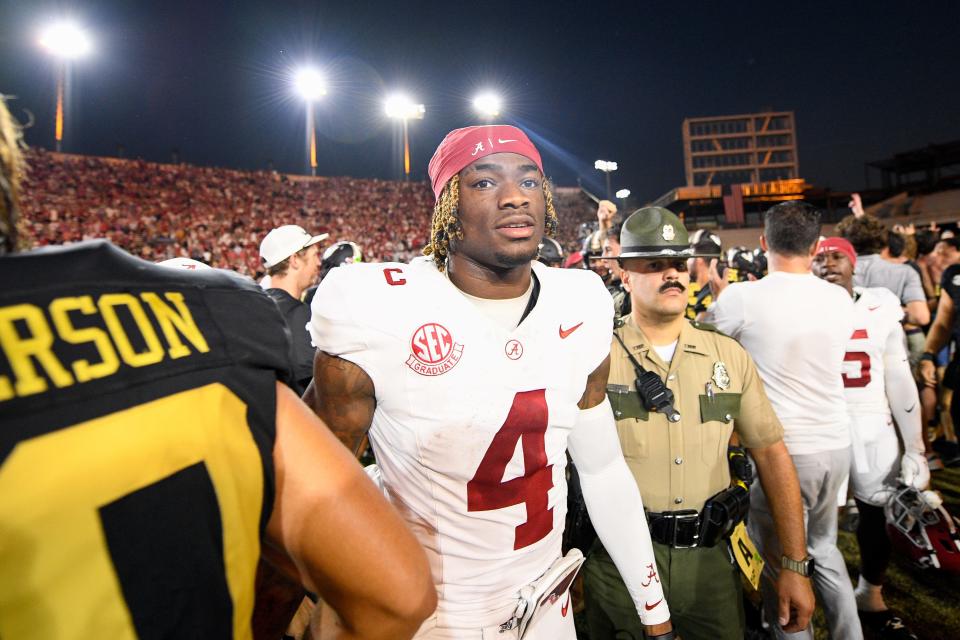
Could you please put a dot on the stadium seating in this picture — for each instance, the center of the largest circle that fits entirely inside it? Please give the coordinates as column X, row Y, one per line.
column 219, row 216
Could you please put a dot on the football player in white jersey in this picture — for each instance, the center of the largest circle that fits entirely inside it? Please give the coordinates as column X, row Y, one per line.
column 880, row 389
column 473, row 371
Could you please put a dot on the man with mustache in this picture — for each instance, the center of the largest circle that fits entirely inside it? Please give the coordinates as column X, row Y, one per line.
column 681, row 465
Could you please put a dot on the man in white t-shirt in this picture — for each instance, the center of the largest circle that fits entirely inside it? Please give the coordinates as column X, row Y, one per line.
column 474, row 370
column 796, row 328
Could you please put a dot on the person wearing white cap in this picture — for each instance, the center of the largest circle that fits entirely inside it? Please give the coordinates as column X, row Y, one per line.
column 292, row 259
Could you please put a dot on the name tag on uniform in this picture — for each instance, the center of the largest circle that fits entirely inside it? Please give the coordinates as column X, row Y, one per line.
column 748, row 559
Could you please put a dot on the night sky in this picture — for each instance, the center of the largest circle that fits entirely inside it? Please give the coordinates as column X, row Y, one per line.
column 588, row 80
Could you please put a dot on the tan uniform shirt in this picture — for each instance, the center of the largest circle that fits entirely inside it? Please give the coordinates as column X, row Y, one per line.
column 716, row 390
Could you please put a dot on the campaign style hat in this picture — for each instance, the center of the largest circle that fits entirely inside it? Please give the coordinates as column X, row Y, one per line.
column 655, row 232
column 283, row 242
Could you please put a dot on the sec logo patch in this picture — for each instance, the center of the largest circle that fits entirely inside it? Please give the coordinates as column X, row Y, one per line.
column 433, row 351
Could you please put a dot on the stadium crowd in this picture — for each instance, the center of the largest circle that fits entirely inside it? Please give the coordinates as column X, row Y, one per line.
column 219, row 216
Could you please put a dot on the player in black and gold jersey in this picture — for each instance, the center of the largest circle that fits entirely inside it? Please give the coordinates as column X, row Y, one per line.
column 148, row 449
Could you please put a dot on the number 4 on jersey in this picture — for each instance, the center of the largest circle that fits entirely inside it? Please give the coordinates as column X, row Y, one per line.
column 527, row 421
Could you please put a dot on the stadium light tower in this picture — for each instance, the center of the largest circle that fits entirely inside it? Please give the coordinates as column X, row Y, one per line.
column 65, row 41
column 622, row 195
column 488, row 105
column 311, row 86
column 400, row 107
column 607, row 167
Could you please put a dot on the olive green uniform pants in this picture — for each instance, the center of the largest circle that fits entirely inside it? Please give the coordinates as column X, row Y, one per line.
column 702, row 587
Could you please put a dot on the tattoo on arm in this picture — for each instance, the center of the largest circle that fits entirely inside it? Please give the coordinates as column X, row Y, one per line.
column 596, row 386
column 343, row 396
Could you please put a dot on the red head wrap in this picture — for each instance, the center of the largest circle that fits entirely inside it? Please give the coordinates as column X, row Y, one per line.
column 838, row 244
column 461, row 147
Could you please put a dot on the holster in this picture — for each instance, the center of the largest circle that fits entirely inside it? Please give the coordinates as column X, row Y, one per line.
column 721, row 513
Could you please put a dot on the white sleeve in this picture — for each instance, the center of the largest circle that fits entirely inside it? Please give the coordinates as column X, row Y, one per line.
column 599, row 303
column 616, row 509
column 902, row 390
column 726, row 311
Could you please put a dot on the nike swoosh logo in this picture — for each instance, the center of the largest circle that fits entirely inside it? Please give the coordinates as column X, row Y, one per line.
column 912, row 407
column 566, row 332
column 502, row 141
column 651, row 607
column 873, row 308
column 564, row 607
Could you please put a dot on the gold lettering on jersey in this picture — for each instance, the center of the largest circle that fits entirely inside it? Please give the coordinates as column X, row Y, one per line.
column 84, row 370
column 28, row 336
column 108, row 308
column 22, row 350
column 179, row 318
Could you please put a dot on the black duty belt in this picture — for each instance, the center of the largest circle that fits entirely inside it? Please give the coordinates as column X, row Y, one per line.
column 690, row 528
column 678, row 529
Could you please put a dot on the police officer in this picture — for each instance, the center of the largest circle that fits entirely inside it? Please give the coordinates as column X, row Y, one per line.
column 679, row 390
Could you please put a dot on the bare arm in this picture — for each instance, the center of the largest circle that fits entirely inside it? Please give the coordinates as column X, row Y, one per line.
column 927, row 281
column 717, row 282
column 940, row 329
column 937, row 338
column 346, row 541
column 596, row 389
column 606, row 210
column 779, row 479
column 343, row 396
column 917, row 312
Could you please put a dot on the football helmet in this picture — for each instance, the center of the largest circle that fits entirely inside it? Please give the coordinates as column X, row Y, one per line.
column 706, row 243
column 760, row 260
column 338, row 254
column 921, row 529
column 747, row 262
column 550, row 252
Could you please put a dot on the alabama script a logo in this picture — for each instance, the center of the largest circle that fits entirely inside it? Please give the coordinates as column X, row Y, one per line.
column 433, row 351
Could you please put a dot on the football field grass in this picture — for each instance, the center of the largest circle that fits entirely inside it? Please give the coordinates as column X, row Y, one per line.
column 927, row 600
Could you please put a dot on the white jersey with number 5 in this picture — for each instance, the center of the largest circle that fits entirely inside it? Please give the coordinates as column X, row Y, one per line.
column 471, row 423
column 876, row 333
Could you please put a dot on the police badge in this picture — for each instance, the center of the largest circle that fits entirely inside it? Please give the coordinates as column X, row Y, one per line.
column 720, row 376
column 668, row 232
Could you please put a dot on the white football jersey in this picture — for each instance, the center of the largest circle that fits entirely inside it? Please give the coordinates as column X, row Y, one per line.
column 877, row 314
column 471, row 423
